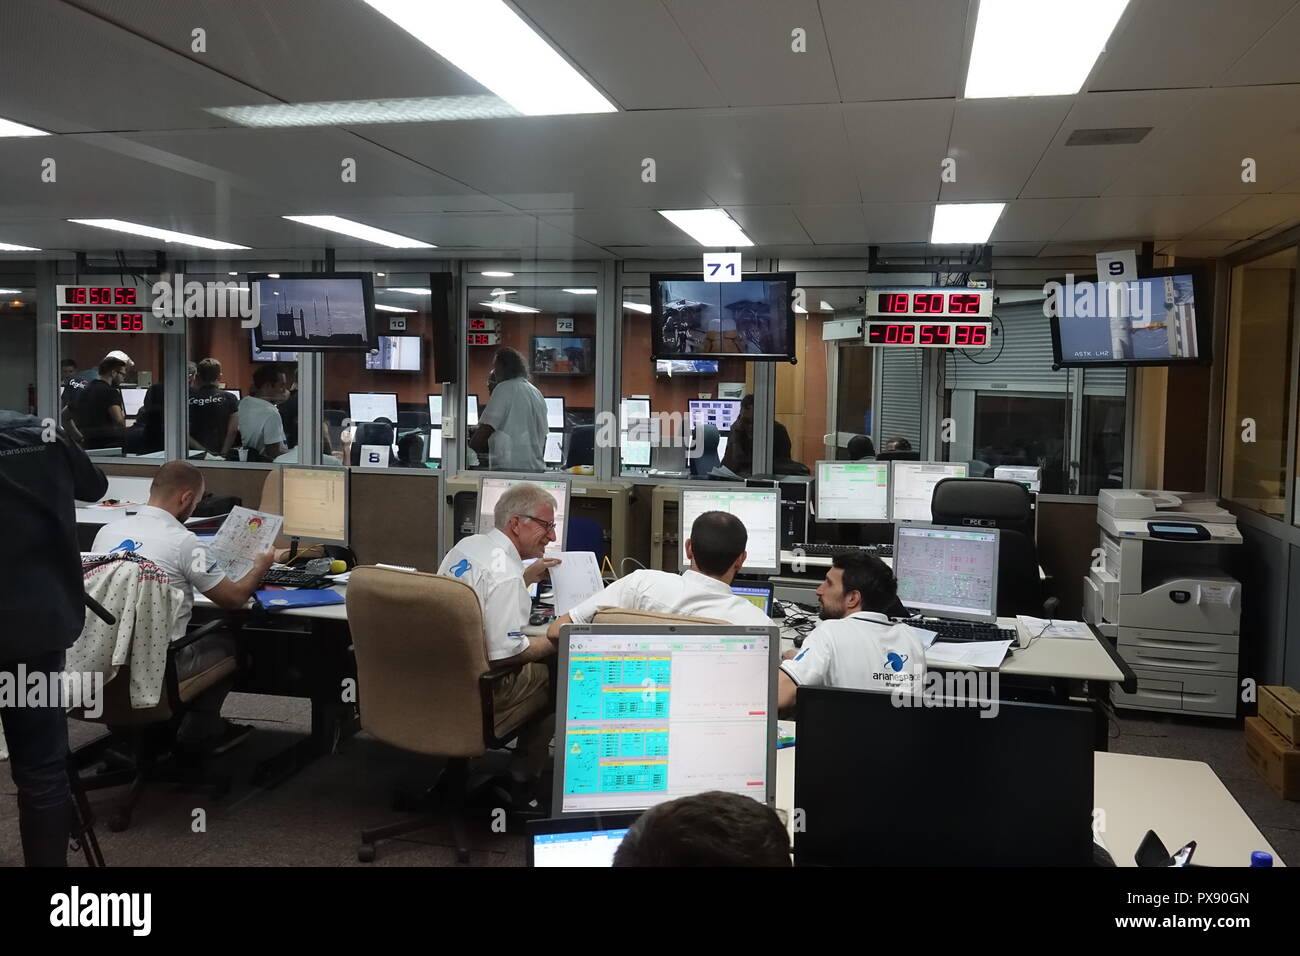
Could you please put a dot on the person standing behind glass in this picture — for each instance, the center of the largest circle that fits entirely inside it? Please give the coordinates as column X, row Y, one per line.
column 214, row 412
column 260, row 429
column 739, row 457
column 98, row 409
column 512, row 429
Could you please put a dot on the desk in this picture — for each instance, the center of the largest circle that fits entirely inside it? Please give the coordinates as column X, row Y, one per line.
column 1181, row 800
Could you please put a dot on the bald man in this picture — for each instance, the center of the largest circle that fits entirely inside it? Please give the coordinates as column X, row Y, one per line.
column 157, row 533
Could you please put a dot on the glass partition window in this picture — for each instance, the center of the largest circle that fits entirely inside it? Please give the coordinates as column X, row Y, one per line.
column 530, row 380
column 1257, row 408
column 17, row 344
column 802, row 405
column 669, row 405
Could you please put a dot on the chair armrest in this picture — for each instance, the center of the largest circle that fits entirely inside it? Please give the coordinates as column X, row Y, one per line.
column 199, row 633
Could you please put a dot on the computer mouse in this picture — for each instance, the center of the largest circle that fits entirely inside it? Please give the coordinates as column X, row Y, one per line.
column 538, row 618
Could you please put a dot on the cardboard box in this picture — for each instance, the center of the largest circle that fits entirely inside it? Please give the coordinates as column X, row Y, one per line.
column 1280, row 706
column 1273, row 757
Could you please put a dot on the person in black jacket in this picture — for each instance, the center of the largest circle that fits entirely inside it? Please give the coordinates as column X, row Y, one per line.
column 42, row 471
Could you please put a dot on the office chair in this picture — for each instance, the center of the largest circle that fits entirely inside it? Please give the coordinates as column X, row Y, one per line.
column 899, row 456
column 372, row 433
column 148, row 733
column 582, row 446
column 861, row 447
column 619, row 615
column 707, row 438
column 429, row 690
column 1006, row 505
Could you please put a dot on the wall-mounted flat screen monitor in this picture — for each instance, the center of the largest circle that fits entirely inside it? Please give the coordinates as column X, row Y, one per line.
column 397, row 353
column 563, row 355
column 752, row 319
column 314, row 312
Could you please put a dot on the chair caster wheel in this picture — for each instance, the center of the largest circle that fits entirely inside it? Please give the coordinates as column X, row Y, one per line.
column 366, row 853
column 118, row 821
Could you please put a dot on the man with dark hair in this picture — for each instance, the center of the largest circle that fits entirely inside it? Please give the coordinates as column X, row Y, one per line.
column 157, row 532
column 856, row 645
column 898, row 443
column 99, row 410
column 707, row 829
column 42, row 474
column 67, row 370
column 260, row 427
column 512, row 429
column 214, row 412
column 716, row 550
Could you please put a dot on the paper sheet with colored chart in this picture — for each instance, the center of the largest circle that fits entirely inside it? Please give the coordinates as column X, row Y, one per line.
column 243, row 536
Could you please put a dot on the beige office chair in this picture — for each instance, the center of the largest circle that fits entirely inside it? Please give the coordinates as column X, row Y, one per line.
column 618, row 615
column 424, row 684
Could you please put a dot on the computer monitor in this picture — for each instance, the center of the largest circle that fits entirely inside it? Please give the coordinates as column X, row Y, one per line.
column 132, row 400
column 759, row 510
column 315, row 503
column 433, row 445
column 947, row 571
column 721, row 413
column 262, row 355
column 757, row 593
column 491, row 488
column 722, row 447
column 912, row 486
column 852, row 491
column 397, row 353
column 553, row 454
column 435, row 411
column 471, row 410
column 235, row 392
column 635, row 432
column 318, row 312
column 1023, row 781
column 649, row 713
column 372, row 406
column 591, row 845
column 555, row 413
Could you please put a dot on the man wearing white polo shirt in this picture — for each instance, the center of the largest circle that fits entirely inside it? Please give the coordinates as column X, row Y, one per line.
column 856, row 645
column 716, row 550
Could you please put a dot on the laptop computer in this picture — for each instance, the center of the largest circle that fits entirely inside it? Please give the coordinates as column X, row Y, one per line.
column 579, row 840
column 757, row 593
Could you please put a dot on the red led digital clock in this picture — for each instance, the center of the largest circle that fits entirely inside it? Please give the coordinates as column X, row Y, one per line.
column 101, row 321
column 957, row 303
column 104, row 297
column 942, row 335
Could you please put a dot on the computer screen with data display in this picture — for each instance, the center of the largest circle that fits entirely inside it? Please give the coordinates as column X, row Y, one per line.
column 132, row 399
column 947, row 572
column 636, row 432
column 852, row 491
column 553, row 454
column 316, row 503
column 759, row 595
column 435, row 411
column 577, row 848
column 433, row 446
column 471, row 410
column 759, row 510
column 651, row 713
column 913, row 486
column 555, row 413
column 491, row 489
column 372, row 406
column 719, row 412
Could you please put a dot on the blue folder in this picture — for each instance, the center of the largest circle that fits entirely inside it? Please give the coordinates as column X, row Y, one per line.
column 285, row 600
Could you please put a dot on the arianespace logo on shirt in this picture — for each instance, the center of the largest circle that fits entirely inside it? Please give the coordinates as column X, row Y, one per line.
column 891, row 671
column 460, row 567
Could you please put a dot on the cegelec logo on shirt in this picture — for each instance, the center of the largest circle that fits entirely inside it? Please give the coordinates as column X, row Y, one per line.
column 76, row 909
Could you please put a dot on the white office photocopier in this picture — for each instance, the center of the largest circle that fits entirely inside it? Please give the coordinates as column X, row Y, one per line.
column 1158, row 589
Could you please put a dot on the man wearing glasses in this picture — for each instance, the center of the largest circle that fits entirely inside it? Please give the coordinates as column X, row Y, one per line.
column 492, row 564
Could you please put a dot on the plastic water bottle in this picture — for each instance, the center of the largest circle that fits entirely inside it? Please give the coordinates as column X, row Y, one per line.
column 1260, row 858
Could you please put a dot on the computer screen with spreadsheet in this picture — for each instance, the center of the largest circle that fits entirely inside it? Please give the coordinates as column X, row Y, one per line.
column 316, row 503
column 913, row 486
column 491, row 489
column 577, row 848
column 759, row 510
column 947, row 572
column 651, row 713
column 852, row 491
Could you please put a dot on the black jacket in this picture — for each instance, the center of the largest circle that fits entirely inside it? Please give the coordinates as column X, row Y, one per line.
column 41, row 608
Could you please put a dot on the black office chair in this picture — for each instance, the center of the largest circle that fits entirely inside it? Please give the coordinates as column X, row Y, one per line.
column 899, row 456
column 860, row 447
column 706, row 456
column 371, row 433
column 1005, row 505
column 582, row 446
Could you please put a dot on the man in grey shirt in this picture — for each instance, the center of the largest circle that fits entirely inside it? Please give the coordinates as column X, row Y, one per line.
column 260, row 427
column 512, row 429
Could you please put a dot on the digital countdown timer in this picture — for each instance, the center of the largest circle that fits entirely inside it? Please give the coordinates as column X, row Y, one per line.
column 100, row 297
column 947, row 301
column 484, row 325
column 936, row 335
column 101, row 322
column 484, row 338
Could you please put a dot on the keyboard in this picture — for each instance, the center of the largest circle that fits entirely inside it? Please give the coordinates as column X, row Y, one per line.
column 832, row 550
column 960, row 632
column 292, row 578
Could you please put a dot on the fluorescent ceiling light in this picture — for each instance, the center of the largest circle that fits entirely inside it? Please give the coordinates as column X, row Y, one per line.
column 502, row 305
column 498, row 275
column 490, row 42
column 579, row 291
column 1033, row 48
column 965, row 222
column 407, row 291
column 708, row 227
column 232, row 273
column 391, row 308
column 357, row 230
column 496, row 292
column 826, row 306
column 381, row 274
column 10, row 247
column 152, row 232
column 11, row 291
column 422, row 109
column 10, row 128
column 637, row 307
